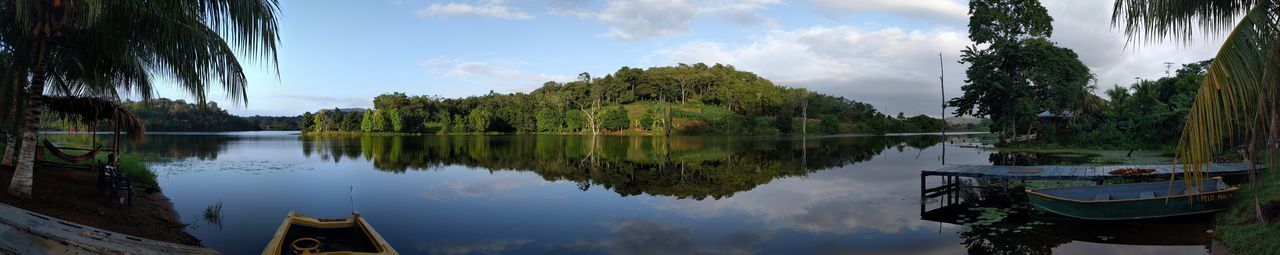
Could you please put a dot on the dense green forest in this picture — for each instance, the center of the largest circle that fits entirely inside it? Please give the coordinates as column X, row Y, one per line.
column 1041, row 95
column 685, row 99
column 1148, row 114
column 166, row 115
column 178, row 115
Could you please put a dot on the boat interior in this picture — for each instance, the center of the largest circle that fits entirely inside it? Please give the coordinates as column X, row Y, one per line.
column 1132, row 191
column 350, row 238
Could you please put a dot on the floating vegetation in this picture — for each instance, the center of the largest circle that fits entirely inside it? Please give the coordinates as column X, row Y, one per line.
column 989, row 215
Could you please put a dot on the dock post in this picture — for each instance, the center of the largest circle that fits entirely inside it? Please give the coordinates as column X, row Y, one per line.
column 922, row 195
column 1005, row 186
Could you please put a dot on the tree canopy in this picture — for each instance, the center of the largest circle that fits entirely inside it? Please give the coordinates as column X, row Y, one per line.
column 690, row 99
column 1019, row 72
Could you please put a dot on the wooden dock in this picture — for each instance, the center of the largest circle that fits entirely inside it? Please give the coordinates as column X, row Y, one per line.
column 1089, row 173
column 952, row 184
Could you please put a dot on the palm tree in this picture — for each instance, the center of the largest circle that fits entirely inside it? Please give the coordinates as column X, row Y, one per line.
column 1117, row 94
column 1238, row 100
column 101, row 47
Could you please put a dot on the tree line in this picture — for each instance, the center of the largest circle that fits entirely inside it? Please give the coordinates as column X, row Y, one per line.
column 1146, row 114
column 697, row 99
column 167, row 115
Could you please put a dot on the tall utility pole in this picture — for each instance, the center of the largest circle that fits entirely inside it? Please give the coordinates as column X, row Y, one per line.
column 1167, row 67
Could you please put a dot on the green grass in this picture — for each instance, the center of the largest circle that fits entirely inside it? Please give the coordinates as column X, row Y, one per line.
column 1239, row 228
column 133, row 165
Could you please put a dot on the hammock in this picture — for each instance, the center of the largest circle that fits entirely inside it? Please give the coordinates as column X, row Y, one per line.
column 58, row 153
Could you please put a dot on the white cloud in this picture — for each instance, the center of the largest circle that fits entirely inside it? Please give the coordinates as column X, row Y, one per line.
column 893, row 69
column 1085, row 27
column 493, row 72
column 938, row 10
column 489, row 8
column 823, row 202
column 637, row 20
column 896, row 69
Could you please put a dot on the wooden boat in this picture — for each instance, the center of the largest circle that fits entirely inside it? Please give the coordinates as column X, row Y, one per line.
column 1133, row 201
column 301, row 234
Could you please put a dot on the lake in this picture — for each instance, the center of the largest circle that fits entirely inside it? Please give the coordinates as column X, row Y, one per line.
column 533, row 194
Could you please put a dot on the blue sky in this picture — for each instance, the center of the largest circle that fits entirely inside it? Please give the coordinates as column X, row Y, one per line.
column 883, row 52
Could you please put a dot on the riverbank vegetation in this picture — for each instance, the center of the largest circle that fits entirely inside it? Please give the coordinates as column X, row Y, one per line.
column 1040, row 95
column 166, row 115
column 114, row 49
column 1235, row 107
column 1147, row 114
column 696, row 99
column 1250, row 228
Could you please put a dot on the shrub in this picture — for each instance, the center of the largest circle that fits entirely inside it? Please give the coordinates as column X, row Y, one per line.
column 549, row 120
column 574, row 121
column 646, row 120
column 615, row 119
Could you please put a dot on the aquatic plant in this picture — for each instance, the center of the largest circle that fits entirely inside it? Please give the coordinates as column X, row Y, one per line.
column 213, row 214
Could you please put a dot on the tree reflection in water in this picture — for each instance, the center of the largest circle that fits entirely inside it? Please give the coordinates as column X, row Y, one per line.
column 198, row 146
column 683, row 167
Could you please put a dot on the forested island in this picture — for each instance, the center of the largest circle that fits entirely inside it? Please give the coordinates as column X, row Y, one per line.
column 695, row 99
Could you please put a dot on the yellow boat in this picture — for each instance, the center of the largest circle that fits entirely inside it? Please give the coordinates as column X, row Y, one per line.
column 300, row 234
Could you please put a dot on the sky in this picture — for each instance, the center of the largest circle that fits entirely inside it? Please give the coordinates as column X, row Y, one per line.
column 882, row 52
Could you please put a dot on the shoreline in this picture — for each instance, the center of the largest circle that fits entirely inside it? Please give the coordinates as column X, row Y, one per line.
column 70, row 194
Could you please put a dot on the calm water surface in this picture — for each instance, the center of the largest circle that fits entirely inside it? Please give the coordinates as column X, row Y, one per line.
column 618, row 195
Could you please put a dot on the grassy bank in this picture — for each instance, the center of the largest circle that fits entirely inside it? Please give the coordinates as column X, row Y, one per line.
column 1239, row 228
column 132, row 165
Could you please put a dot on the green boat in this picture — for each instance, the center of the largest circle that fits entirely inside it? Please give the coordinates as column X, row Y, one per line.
column 1134, row 201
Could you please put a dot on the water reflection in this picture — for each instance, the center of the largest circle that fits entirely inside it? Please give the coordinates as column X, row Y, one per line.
column 687, row 167
column 616, row 195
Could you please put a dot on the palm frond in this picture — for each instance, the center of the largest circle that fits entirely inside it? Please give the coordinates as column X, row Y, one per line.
column 1179, row 20
column 1226, row 106
column 94, row 110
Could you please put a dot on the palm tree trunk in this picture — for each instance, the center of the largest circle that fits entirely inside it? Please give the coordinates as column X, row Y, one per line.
column 10, row 139
column 15, row 117
column 22, row 181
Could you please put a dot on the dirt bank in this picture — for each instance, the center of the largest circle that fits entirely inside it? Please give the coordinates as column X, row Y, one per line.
column 70, row 194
